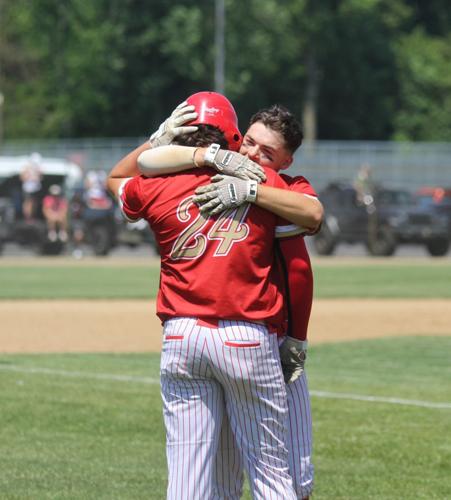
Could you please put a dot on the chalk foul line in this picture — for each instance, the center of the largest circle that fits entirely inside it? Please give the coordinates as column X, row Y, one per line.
column 77, row 374
column 380, row 399
column 155, row 381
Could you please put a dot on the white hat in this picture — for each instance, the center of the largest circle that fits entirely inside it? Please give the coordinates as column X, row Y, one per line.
column 55, row 190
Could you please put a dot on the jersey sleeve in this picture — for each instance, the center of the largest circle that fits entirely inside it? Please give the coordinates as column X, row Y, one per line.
column 130, row 199
column 294, row 264
column 284, row 228
column 299, row 184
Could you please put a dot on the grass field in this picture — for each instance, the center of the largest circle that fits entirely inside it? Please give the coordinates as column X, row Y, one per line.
column 90, row 426
column 415, row 280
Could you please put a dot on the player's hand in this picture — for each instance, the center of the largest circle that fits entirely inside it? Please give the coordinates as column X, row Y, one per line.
column 224, row 192
column 234, row 164
column 293, row 354
column 172, row 128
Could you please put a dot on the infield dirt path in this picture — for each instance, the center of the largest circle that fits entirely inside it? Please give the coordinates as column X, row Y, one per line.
column 131, row 326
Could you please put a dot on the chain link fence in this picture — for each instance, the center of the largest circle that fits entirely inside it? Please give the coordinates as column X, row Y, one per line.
column 396, row 164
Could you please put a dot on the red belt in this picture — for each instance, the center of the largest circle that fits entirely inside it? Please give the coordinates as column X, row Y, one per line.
column 214, row 323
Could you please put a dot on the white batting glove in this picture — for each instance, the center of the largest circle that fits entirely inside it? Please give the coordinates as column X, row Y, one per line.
column 234, row 164
column 224, row 192
column 171, row 127
column 293, row 354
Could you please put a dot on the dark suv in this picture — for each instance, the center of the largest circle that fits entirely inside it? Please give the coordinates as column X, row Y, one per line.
column 437, row 199
column 382, row 221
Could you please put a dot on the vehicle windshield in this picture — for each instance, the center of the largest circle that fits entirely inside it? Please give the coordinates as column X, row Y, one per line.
column 430, row 199
column 425, row 200
column 391, row 197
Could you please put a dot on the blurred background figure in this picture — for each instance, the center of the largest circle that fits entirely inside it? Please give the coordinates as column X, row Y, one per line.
column 92, row 216
column 96, row 195
column 55, row 208
column 31, row 177
column 364, row 185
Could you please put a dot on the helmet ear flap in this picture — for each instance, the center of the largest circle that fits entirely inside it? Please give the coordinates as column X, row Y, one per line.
column 215, row 109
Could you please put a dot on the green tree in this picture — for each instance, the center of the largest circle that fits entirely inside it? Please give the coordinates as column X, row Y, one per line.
column 352, row 69
column 425, row 80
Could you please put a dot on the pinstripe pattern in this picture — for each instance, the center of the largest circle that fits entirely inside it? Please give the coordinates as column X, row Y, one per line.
column 202, row 378
column 300, row 436
column 228, row 474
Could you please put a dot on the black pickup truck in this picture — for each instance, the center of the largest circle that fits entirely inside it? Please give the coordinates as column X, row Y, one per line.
column 383, row 221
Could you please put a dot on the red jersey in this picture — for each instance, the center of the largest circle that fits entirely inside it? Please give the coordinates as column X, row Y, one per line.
column 55, row 203
column 299, row 184
column 215, row 267
column 296, row 270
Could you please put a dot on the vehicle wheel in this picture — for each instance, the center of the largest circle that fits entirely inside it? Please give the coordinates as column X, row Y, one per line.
column 324, row 241
column 101, row 240
column 382, row 243
column 438, row 247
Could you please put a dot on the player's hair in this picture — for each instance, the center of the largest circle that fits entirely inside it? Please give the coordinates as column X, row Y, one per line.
column 279, row 119
column 203, row 137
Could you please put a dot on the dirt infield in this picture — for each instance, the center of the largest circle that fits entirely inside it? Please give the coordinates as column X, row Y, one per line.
column 131, row 326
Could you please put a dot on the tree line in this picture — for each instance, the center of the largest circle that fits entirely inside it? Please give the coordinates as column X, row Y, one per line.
column 351, row 69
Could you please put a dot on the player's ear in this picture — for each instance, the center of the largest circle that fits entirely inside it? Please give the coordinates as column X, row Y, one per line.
column 287, row 162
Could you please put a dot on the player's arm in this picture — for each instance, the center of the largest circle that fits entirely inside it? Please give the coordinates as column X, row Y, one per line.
column 165, row 134
column 225, row 192
column 294, row 264
column 166, row 160
column 296, row 271
column 300, row 209
column 125, row 168
column 175, row 159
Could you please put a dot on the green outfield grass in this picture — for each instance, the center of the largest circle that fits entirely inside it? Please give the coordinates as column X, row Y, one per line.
column 390, row 280
column 71, row 430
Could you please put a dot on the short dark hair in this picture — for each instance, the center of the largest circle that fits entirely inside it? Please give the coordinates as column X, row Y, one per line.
column 203, row 137
column 278, row 118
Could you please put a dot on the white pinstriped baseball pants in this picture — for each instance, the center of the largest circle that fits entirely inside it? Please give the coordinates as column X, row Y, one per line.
column 207, row 372
column 228, row 474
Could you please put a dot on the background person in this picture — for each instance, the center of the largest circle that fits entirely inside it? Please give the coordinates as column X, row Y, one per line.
column 55, row 209
column 364, row 185
column 95, row 192
column 31, row 178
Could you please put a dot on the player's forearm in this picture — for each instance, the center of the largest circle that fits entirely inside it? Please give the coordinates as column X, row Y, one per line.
column 302, row 210
column 125, row 168
column 128, row 166
column 168, row 160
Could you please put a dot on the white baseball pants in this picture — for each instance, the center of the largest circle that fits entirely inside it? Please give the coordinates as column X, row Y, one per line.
column 207, row 372
column 228, row 475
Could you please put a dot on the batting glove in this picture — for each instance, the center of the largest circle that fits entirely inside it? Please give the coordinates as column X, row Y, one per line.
column 224, row 192
column 293, row 354
column 234, row 164
column 171, row 127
